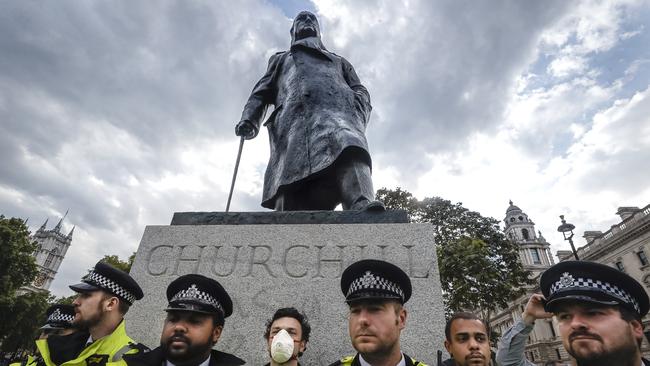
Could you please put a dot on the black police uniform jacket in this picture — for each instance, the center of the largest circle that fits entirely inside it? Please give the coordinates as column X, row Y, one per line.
column 155, row 357
column 354, row 361
column 321, row 109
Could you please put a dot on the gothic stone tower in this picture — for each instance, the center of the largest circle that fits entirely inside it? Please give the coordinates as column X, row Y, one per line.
column 52, row 247
column 534, row 250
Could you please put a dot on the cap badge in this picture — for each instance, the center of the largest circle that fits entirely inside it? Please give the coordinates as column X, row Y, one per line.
column 192, row 291
column 566, row 280
column 368, row 279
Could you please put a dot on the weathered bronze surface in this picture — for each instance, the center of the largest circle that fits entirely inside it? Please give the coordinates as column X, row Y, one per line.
column 319, row 153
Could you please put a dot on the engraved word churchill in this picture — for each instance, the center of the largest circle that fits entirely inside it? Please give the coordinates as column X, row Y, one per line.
column 260, row 260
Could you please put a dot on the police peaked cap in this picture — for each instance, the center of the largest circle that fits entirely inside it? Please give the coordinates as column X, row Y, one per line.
column 59, row 316
column 375, row 279
column 200, row 294
column 592, row 282
column 110, row 279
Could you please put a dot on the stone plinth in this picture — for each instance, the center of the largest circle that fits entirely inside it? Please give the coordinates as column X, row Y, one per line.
column 265, row 267
column 289, row 217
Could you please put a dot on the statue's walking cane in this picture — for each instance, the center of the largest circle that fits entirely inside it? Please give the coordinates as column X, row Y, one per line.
column 234, row 175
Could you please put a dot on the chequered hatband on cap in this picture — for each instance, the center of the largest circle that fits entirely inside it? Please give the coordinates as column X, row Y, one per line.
column 110, row 279
column 375, row 279
column 197, row 293
column 582, row 281
column 59, row 316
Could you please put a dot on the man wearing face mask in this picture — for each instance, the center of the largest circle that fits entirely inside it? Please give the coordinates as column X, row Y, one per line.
column 287, row 334
column 196, row 314
column 319, row 153
column 376, row 292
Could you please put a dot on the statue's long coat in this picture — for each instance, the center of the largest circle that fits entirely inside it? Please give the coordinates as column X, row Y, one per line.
column 321, row 109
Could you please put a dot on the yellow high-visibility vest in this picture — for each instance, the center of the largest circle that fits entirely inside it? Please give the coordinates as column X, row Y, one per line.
column 101, row 352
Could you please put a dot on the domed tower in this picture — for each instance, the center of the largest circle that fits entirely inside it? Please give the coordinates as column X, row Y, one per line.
column 534, row 250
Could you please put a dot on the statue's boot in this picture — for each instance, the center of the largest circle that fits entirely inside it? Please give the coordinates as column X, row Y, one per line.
column 355, row 184
column 368, row 205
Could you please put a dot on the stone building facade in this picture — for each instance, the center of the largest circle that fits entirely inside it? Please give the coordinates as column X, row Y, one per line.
column 625, row 246
column 52, row 248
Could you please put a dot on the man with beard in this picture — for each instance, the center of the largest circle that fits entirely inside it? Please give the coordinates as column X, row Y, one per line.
column 376, row 292
column 196, row 314
column 319, row 153
column 598, row 310
column 286, row 335
column 104, row 296
column 467, row 341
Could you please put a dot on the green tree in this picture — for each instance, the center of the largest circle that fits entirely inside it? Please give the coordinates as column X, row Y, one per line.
column 116, row 262
column 20, row 315
column 66, row 300
column 20, row 320
column 17, row 266
column 479, row 267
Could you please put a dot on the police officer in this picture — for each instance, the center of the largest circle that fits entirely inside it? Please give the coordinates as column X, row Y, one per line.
column 376, row 292
column 598, row 310
column 58, row 321
column 104, row 296
column 196, row 314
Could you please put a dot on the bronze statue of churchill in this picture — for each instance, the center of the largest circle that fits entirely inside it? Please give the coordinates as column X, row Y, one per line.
column 319, row 153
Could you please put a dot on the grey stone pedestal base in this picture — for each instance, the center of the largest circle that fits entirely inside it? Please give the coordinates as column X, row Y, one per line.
column 265, row 267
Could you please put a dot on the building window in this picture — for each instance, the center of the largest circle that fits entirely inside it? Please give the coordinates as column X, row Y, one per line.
column 524, row 233
column 535, row 253
column 550, row 325
column 619, row 266
column 642, row 258
column 50, row 257
column 557, row 352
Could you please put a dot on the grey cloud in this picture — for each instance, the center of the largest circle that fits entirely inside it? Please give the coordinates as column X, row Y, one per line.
column 444, row 76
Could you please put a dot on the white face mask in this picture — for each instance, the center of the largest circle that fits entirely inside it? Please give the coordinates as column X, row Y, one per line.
column 282, row 347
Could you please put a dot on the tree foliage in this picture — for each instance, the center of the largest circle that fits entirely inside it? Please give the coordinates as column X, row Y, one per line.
column 20, row 320
column 479, row 267
column 115, row 261
column 64, row 300
column 20, row 315
column 17, row 265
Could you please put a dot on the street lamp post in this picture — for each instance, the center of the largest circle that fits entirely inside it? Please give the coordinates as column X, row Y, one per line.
column 567, row 231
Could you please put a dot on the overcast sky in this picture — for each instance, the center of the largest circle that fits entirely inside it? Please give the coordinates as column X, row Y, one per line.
column 123, row 112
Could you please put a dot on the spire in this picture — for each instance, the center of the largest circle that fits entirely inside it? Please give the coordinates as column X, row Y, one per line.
column 43, row 227
column 57, row 228
column 70, row 233
column 510, row 202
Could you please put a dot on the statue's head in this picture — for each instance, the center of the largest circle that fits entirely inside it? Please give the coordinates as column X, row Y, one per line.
column 304, row 25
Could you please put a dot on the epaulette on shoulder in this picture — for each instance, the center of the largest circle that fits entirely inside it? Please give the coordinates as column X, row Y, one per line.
column 140, row 347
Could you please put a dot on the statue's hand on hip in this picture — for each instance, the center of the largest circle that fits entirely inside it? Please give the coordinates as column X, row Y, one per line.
column 245, row 128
